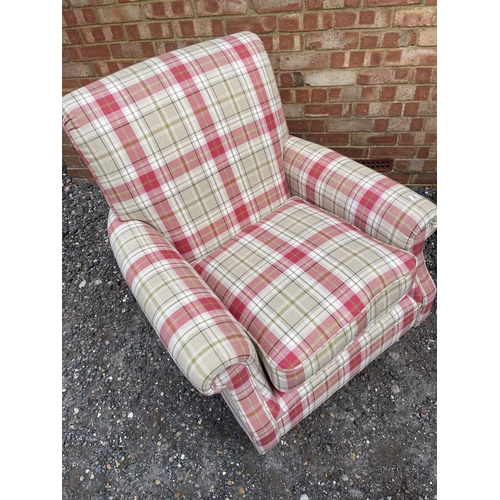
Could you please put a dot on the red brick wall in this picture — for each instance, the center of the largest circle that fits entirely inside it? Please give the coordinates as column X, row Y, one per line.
column 358, row 76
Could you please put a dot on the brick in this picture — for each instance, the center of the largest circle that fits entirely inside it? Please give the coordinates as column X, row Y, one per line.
column 428, row 108
column 129, row 50
column 325, row 4
column 411, row 109
column 422, row 92
column 395, row 152
column 295, row 79
column 298, row 126
column 380, row 76
column 338, row 59
column 423, row 75
column 369, row 41
column 90, row 3
column 327, row 140
column 430, row 165
column 302, row 95
column 362, row 19
column 346, row 19
column 119, row 14
column 349, row 94
column 414, row 165
column 334, row 94
column 283, row 43
column 411, row 57
column 356, row 58
column 71, row 37
column 418, row 16
column 149, row 30
column 221, row 7
column 309, row 21
column 430, row 125
column 427, row 37
column 406, row 93
column 323, row 110
column 389, row 3
column 426, row 152
column 399, row 124
column 412, row 139
column 78, row 17
column 293, row 110
column 367, row 17
column 168, row 9
column 374, row 58
column 103, row 34
column 380, row 124
column 332, row 77
column 369, row 93
column 362, row 109
column 317, row 125
column 350, row 125
column 353, row 152
column 416, row 124
column 319, row 95
column 70, row 84
column 374, row 139
column 332, row 41
column 392, row 39
column 424, row 179
column 104, row 68
column 386, row 109
column 167, row 46
column 199, row 27
column 388, row 93
column 311, row 60
column 256, row 24
column 287, row 96
column 265, row 6
column 88, row 52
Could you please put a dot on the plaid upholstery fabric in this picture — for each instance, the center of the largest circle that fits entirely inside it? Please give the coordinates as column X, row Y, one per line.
column 374, row 203
column 200, row 334
column 190, row 142
column 192, row 153
column 251, row 408
column 304, row 283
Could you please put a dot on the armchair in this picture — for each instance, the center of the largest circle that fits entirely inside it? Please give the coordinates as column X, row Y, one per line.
column 272, row 269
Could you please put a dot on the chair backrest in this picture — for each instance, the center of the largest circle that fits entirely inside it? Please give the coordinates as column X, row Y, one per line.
column 190, row 142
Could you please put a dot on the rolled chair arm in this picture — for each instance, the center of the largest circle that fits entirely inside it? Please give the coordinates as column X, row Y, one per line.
column 372, row 202
column 202, row 337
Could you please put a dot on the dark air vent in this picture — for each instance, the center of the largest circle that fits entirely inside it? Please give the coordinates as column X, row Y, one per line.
column 380, row 164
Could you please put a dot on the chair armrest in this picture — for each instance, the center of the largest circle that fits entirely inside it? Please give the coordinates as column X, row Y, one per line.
column 200, row 334
column 374, row 203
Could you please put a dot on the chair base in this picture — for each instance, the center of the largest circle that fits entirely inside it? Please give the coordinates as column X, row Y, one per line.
column 265, row 429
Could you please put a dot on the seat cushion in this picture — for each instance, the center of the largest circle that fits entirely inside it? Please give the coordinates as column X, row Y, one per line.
column 304, row 283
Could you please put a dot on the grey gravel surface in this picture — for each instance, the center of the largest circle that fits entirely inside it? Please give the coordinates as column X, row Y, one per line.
column 134, row 428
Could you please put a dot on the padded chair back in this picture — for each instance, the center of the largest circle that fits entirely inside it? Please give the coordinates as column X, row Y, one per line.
column 190, row 142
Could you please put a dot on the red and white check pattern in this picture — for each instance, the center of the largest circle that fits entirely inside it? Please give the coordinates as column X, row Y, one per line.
column 304, row 283
column 374, row 203
column 252, row 407
column 190, row 142
column 192, row 152
column 200, row 334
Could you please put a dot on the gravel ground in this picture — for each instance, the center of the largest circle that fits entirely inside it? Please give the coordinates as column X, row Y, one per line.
column 134, row 428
